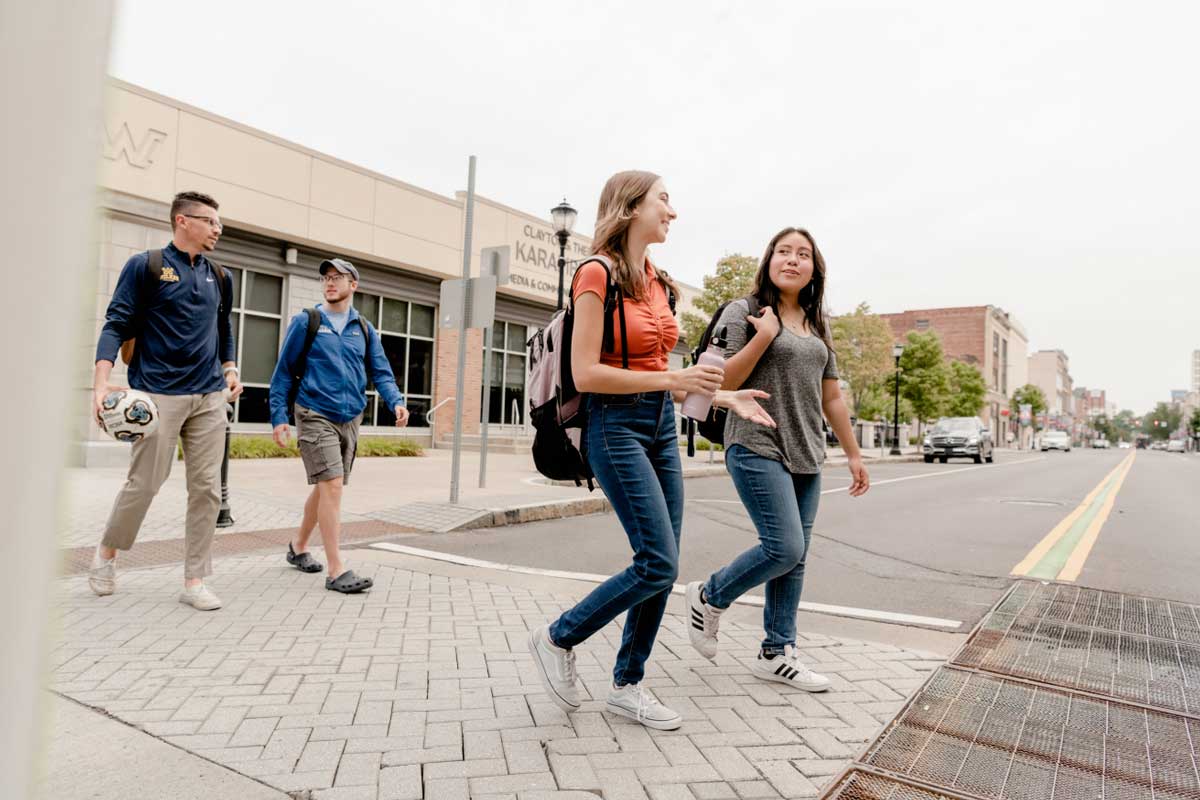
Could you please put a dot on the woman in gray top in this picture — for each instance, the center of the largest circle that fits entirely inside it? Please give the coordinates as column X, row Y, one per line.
column 786, row 351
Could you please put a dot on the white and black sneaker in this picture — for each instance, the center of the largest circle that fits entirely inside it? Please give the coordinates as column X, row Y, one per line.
column 556, row 668
column 634, row 702
column 703, row 620
column 788, row 669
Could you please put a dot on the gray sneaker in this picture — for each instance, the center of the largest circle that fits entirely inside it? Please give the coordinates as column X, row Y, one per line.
column 199, row 598
column 634, row 702
column 556, row 668
column 102, row 575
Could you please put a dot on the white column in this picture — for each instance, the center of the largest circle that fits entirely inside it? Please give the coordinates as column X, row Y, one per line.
column 52, row 61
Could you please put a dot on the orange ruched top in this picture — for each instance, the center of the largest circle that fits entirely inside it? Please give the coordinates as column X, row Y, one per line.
column 650, row 327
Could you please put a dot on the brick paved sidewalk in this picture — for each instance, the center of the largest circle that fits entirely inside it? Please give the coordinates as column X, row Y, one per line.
column 423, row 688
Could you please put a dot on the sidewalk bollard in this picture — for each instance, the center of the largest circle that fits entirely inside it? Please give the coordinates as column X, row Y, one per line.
column 224, row 518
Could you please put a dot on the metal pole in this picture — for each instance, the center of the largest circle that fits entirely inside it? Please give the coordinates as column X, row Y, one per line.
column 487, row 391
column 896, row 414
column 456, row 457
column 224, row 517
column 562, row 264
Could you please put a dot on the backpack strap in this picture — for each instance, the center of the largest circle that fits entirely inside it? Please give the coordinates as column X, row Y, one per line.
column 300, row 366
column 614, row 306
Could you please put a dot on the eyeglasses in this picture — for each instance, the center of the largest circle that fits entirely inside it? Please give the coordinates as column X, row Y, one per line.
column 334, row 277
column 212, row 223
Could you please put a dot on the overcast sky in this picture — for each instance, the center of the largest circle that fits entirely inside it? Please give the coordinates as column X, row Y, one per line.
column 1041, row 157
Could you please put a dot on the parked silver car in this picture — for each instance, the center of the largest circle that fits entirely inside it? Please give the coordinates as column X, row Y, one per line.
column 958, row 437
column 1176, row 446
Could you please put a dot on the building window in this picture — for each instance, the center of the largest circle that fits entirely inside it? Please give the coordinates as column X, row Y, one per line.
column 995, row 360
column 506, row 401
column 922, row 324
column 1004, row 367
column 407, row 332
column 256, row 318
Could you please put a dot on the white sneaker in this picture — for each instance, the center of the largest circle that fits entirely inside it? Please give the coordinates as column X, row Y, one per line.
column 788, row 669
column 556, row 668
column 703, row 621
column 200, row 598
column 102, row 575
column 634, row 702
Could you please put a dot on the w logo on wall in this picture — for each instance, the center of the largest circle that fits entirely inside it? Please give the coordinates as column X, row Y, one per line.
column 139, row 153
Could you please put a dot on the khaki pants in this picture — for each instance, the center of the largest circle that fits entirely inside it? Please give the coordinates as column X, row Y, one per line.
column 199, row 420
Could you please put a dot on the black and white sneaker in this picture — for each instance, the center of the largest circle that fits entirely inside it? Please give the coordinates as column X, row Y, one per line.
column 788, row 669
column 703, row 620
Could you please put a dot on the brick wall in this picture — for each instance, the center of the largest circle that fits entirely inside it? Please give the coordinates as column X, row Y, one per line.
column 962, row 330
column 445, row 382
column 302, row 293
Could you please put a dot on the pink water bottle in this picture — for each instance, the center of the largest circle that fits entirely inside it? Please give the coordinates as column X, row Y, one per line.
column 695, row 405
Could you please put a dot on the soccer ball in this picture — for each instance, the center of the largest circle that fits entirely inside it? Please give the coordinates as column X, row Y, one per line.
column 128, row 415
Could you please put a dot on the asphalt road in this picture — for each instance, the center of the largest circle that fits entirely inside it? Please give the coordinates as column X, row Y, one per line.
column 931, row 540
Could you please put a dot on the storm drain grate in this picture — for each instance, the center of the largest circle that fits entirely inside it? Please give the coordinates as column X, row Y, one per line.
column 990, row 737
column 859, row 785
column 1138, row 649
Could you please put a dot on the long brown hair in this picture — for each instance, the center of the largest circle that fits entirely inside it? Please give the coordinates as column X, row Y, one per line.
column 812, row 296
column 620, row 197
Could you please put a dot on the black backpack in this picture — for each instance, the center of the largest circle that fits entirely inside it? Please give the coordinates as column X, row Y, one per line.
column 712, row 427
column 300, row 365
column 557, row 409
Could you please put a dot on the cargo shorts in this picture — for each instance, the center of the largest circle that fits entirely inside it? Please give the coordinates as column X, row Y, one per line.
column 327, row 448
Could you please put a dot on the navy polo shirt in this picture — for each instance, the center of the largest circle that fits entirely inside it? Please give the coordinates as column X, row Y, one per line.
column 183, row 332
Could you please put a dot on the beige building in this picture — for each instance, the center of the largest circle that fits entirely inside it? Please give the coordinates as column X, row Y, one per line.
column 1050, row 371
column 285, row 208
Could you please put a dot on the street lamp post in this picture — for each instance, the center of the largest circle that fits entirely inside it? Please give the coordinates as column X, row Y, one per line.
column 897, row 350
column 564, row 219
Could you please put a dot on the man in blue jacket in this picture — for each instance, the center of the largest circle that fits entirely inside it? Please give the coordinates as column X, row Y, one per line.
column 175, row 305
column 329, row 405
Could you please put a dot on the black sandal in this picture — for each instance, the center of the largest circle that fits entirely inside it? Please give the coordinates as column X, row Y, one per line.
column 348, row 583
column 303, row 562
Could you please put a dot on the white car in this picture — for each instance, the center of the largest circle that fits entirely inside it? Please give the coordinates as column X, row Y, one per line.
column 1056, row 440
column 1176, row 446
column 1123, row 445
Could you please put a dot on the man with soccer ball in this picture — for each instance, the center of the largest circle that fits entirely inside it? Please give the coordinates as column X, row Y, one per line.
column 171, row 308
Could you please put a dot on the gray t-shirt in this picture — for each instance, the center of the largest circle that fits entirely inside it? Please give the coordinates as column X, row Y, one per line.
column 337, row 319
column 791, row 371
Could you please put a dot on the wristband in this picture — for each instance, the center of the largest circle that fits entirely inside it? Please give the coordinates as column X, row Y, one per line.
column 228, row 370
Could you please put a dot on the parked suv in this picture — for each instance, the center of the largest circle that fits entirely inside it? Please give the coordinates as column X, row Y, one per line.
column 958, row 437
column 1056, row 440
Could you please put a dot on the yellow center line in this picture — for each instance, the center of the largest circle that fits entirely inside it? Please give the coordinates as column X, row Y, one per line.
column 1043, row 548
column 1074, row 565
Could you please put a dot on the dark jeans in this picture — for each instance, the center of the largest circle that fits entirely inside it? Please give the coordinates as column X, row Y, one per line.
column 783, row 507
column 633, row 449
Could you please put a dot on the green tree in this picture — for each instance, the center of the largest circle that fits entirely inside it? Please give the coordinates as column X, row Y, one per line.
column 1031, row 395
column 1194, row 423
column 1104, row 427
column 924, row 376
column 1162, row 421
column 967, row 390
column 863, row 342
column 877, row 403
column 1124, row 424
column 733, row 279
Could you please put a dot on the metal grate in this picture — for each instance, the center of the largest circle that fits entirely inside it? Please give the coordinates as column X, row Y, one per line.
column 1137, row 649
column 991, row 737
column 859, row 785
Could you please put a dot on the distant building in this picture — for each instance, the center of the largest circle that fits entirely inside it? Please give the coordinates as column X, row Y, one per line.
column 986, row 337
column 1196, row 371
column 1050, row 371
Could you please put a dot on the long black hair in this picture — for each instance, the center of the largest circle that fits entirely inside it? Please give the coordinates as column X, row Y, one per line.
column 812, row 296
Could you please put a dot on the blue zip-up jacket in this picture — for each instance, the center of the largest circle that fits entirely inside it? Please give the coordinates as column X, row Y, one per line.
column 335, row 380
column 184, row 335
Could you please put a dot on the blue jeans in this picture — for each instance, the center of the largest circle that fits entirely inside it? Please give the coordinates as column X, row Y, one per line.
column 783, row 507
column 633, row 449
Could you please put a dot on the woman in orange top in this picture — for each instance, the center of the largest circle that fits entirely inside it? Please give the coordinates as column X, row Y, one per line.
column 632, row 445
